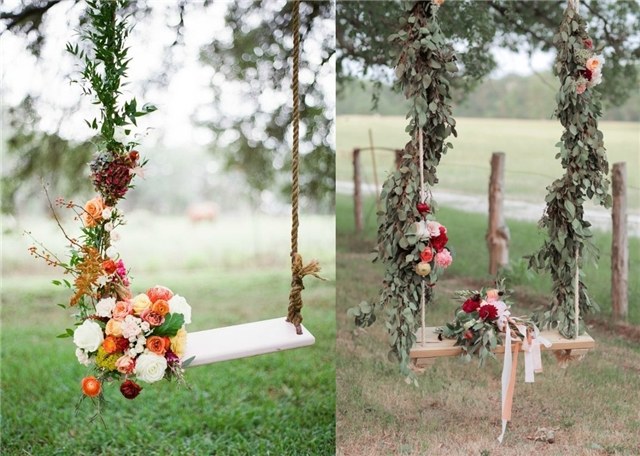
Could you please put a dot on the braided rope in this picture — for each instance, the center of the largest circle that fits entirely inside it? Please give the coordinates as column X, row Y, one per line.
column 298, row 270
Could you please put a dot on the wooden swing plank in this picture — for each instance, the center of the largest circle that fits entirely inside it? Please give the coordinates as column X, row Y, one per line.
column 434, row 348
column 241, row 341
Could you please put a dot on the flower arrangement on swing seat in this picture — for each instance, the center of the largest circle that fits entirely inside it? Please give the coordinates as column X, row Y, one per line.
column 482, row 321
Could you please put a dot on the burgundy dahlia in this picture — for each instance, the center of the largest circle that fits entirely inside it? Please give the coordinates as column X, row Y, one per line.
column 439, row 242
column 130, row 389
column 111, row 175
column 488, row 312
column 471, row 304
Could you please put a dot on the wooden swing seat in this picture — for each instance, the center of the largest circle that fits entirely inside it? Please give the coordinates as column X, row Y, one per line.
column 434, row 348
column 241, row 341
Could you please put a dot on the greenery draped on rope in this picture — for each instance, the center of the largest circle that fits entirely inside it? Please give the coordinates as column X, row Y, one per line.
column 583, row 158
column 423, row 71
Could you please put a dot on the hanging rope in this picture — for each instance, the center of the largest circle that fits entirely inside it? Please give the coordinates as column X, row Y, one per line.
column 576, row 297
column 423, row 197
column 298, row 270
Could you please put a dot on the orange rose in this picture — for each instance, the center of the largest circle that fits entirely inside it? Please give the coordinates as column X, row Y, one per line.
column 109, row 266
column 110, row 345
column 91, row 386
column 156, row 344
column 160, row 307
column 93, row 211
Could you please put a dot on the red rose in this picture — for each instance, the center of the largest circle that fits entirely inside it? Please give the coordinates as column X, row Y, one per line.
column 122, row 344
column 471, row 304
column 133, row 155
column 488, row 312
column 130, row 389
column 588, row 74
column 109, row 266
column 439, row 242
column 426, row 255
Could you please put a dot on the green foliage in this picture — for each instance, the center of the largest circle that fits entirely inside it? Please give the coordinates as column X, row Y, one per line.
column 583, row 158
column 172, row 324
column 423, row 68
column 258, row 61
column 477, row 26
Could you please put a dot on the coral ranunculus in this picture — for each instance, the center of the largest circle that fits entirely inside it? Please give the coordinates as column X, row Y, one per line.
column 439, row 242
column 427, row 254
column 93, row 211
column 471, row 304
column 488, row 312
column 156, row 344
column 91, row 386
column 160, row 307
column 159, row 292
column 130, row 389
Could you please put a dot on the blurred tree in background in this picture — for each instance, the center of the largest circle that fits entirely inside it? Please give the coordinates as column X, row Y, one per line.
column 474, row 27
column 256, row 60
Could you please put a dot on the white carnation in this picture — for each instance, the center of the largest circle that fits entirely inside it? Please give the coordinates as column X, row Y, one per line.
column 178, row 304
column 88, row 336
column 105, row 307
column 82, row 356
column 150, row 367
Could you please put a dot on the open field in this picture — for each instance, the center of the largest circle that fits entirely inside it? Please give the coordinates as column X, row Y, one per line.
column 529, row 146
column 282, row 403
column 593, row 406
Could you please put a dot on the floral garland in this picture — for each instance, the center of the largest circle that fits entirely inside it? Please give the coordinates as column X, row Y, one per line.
column 583, row 158
column 121, row 336
column 411, row 244
column 480, row 321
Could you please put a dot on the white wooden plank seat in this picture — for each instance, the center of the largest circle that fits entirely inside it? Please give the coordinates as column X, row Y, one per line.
column 241, row 341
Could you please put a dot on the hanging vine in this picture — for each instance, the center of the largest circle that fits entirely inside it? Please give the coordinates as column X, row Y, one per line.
column 409, row 252
column 582, row 155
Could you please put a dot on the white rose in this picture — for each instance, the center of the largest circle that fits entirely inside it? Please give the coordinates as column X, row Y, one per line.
column 105, row 307
column 112, row 252
column 108, row 227
column 82, row 356
column 88, row 336
column 421, row 230
column 433, row 228
column 150, row 367
column 107, row 212
column 178, row 304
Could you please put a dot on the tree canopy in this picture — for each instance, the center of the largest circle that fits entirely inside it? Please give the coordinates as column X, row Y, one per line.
column 474, row 27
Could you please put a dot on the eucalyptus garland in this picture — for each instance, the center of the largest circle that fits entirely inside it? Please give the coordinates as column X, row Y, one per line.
column 584, row 160
column 424, row 64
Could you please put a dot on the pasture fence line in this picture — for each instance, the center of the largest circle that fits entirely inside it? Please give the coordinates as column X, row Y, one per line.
column 498, row 237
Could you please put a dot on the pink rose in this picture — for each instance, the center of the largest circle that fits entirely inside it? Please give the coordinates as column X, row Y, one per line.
column 121, row 310
column 125, row 364
column 581, row 88
column 444, row 259
column 151, row 317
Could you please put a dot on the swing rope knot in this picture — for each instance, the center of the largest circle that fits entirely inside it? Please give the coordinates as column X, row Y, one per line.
column 298, row 272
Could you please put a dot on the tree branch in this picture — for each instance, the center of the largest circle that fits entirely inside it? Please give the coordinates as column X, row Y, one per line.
column 32, row 14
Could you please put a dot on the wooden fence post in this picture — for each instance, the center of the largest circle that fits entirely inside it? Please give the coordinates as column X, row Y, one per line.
column 498, row 233
column 357, row 191
column 619, row 244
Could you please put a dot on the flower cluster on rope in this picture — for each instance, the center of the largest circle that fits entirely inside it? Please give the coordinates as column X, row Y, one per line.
column 411, row 244
column 121, row 336
column 482, row 320
column 583, row 158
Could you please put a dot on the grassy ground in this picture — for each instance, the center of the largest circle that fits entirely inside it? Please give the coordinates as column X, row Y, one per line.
column 593, row 406
column 529, row 146
column 281, row 403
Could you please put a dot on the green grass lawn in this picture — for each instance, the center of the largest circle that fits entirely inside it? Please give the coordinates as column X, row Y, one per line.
column 592, row 406
column 529, row 146
column 281, row 403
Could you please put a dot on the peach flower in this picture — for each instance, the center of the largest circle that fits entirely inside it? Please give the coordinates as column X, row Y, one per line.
column 156, row 344
column 113, row 328
column 125, row 364
column 93, row 211
column 121, row 310
column 160, row 307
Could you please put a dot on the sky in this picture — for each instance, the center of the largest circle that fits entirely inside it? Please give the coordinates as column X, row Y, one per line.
column 188, row 89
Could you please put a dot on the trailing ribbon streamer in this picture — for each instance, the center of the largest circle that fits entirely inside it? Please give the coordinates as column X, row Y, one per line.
column 508, row 380
column 532, row 353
